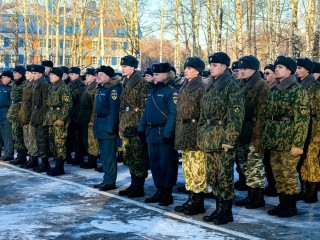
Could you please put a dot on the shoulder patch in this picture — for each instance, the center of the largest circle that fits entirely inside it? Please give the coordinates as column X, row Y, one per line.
column 303, row 110
column 236, row 108
column 66, row 98
column 175, row 97
column 114, row 94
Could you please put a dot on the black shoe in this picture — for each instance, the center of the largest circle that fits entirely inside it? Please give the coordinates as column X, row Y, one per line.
column 197, row 206
column 241, row 186
column 120, row 157
column 245, row 201
column 92, row 163
column 156, row 197
column 137, row 189
column 6, row 159
column 215, row 213
column 312, row 193
column 98, row 185
column 99, row 169
column 271, row 191
column 182, row 189
column 257, row 199
column 44, row 166
column 125, row 192
column 32, row 163
column 21, row 159
column 58, row 168
column 182, row 207
column 167, row 198
column 107, row 187
column 289, row 208
column 304, row 185
column 225, row 216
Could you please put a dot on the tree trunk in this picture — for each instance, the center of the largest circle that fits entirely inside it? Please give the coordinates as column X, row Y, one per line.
column 294, row 37
column 102, row 43
column 185, row 33
column 310, row 23
column 316, row 45
column 161, row 31
column 47, row 29
column 278, row 34
column 176, row 36
column 57, row 12
column 26, row 37
column 209, row 46
column 238, row 11
column 64, row 33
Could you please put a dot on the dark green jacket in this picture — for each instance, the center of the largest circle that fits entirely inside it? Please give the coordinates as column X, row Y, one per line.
column 16, row 100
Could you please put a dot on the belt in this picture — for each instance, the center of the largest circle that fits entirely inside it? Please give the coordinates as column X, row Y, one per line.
column 252, row 119
column 314, row 115
column 4, row 107
column 215, row 122
column 54, row 108
column 129, row 109
column 101, row 116
column 281, row 118
column 36, row 107
column 187, row 121
column 15, row 102
column 156, row 125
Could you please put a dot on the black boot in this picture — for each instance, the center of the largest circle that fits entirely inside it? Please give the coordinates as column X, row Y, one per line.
column 271, row 191
column 156, row 197
column 79, row 159
column 120, row 157
column 44, row 166
column 289, row 208
column 58, row 168
column 197, row 205
column 32, row 163
column 240, row 185
column 304, row 185
column 257, row 199
column 225, row 216
column 312, row 193
column 127, row 190
column 167, row 198
column 215, row 213
column 246, row 200
column 92, row 162
column 185, row 205
column 21, row 159
column 137, row 189
column 275, row 210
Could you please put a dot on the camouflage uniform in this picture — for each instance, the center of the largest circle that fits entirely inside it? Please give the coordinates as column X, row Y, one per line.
column 287, row 115
column 132, row 105
column 188, row 113
column 59, row 104
column 222, row 114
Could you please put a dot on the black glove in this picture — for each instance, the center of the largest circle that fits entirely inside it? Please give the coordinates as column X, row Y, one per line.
column 142, row 136
column 168, row 140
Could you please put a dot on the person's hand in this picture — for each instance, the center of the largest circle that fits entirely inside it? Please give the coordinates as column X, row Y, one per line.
column 257, row 145
column 296, row 151
column 142, row 135
column 316, row 139
column 59, row 123
column 227, row 147
column 90, row 124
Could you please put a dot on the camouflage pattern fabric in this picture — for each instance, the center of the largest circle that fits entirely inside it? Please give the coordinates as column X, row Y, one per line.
column 93, row 147
column 26, row 106
column 29, row 137
column 310, row 170
column 284, row 168
column 42, row 140
column 194, row 171
column 242, row 152
column 255, row 173
column 16, row 98
column 57, row 141
column 220, row 174
column 17, row 134
column 77, row 87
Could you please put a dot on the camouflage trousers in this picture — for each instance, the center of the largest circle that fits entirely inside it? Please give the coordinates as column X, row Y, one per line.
column 194, row 171
column 57, row 141
column 135, row 156
column 284, row 167
column 42, row 140
column 310, row 169
column 220, row 176
column 93, row 146
column 29, row 137
column 17, row 134
column 251, row 164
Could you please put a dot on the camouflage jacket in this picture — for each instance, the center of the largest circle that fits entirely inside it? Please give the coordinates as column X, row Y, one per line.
column 59, row 103
column 288, row 100
column 222, row 113
column 16, row 100
column 188, row 114
column 26, row 106
column 86, row 113
column 91, row 90
column 39, row 101
column 133, row 100
column 313, row 89
column 77, row 87
column 256, row 92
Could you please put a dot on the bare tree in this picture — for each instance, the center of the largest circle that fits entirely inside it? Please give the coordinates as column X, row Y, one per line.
column 238, row 12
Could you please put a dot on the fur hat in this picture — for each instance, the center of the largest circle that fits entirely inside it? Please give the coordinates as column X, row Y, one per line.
column 57, row 71
column 38, row 68
column 65, row 69
column 271, row 67
column 7, row 74
column 288, row 62
column 129, row 61
column 195, row 63
column 220, row 57
column 148, row 71
column 250, row 62
column 161, row 67
column 316, row 67
column 306, row 63
column 47, row 63
column 20, row 69
column 75, row 70
column 29, row 68
column 107, row 70
column 235, row 65
column 91, row 71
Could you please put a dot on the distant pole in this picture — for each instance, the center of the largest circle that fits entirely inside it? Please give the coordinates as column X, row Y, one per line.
column 161, row 30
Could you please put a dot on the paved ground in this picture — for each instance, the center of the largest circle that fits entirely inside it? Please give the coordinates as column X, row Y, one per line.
column 36, row 206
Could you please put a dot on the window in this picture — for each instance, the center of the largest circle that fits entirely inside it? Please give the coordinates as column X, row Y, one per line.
column 20, row 59
column 68, row 61
column 94, row 60
column 42, row 43
column 125, row 45
column 68, row 44
column 114, row 46
column 20, row 43
column 113, row 61
column 94, row 44
column 6, row 42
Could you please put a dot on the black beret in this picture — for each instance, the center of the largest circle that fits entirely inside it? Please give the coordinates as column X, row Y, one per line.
column 20, row 69
column 235, row 65
column 306, row 63
column 75, row 70
column 129, row 61
column 7, row 74
column 316, row 67
column 148, row 71
column 220, row 57
column 250, row 62
column 288, row 62
column 91, row 71
column 270, row 66
column 47, row 63
column 196, row 63
column 38, row 68
column 65, row 69
column 57, row 71
column 161, row 67
column 107, row 70
column 29, row 68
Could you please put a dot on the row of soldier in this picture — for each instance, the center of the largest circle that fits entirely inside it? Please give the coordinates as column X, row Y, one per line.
column 211, row 123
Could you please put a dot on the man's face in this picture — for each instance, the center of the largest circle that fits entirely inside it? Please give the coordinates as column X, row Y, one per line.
column 47, row 70
column 37, row 75
column 29, row 76
column 302, row 72
column 53, row 78
column 5, row 80
column 282, row 72
column 148, row 78
column 160, row 77
column 16, row 75
column 190, row 73
column 102, row 78
column 89, row 78
column 126, row 70
column 73, row 76
column 237, row 73
column 247, row 73
column 216, row 69
column 269, row 76
column 65, row 76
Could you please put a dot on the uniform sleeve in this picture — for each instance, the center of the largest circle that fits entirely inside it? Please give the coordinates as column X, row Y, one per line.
column 235, row 115
column 114, row 108
column 45, row 91
column 301, row 119
column 143, row 122
column 168, row 131
column 66, row 104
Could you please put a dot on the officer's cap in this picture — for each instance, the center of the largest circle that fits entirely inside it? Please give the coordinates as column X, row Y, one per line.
column 305, row 63
column 270, row 66
column 288, row 62
column 161, row 67
column 38, row 68
column 47, row 63
column 250, row 62
column 129, row 61
column 196, row 63
column 91, row 71
column 316, row 68
column 107, row 70
column 220, row 57
column 75, row 70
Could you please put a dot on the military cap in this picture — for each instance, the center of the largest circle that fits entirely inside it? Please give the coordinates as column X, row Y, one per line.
column 196, row 63
column 91, row 71
column 129, row 61
column 29, row 68
column 20, row 69
column 47, row 63
column 148, row 71
column 220, row 57
column 250, row 62
column 57, row 71
column 305, row 63
column 75, row 70
column 270, row 66
column 65, row 69
column 38, row 68
column 173, row 69
column 205, row 74
column 288, row 62
column 161, row 67
column 235, row 65
column 107, row 70
column 7, row 74
column 316, row 68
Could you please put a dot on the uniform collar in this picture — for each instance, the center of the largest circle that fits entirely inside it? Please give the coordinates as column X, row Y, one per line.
column 92, row 85
column 134, row 78
column 76, row 83
column 307, row 81
column 38, row 82
column 251, row 82
column 56, row 85
column 286, row 83
column 220, row 82
column 193, row 85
